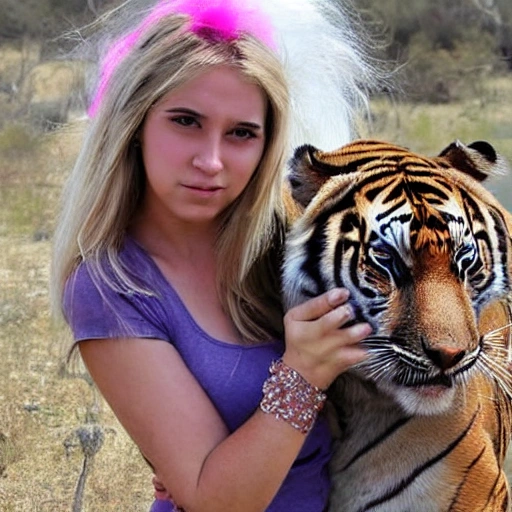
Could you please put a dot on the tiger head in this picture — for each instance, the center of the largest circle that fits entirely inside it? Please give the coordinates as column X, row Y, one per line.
column 425, row 251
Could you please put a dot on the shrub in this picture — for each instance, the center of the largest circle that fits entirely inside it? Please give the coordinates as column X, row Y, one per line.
column 436, row 74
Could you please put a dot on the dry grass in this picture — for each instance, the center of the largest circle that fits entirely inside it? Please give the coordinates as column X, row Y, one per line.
column 42, row 408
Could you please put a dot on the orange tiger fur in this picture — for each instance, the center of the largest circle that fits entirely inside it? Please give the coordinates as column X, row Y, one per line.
column 424, row 423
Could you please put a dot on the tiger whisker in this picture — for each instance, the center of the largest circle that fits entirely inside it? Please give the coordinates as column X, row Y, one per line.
column 505, row 384
column 493, row 336
column 377, row 368
column 493, row 370
column 495, row 331
column 491, row 367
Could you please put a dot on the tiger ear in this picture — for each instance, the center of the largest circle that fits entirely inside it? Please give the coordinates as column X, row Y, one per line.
column 308, row 173
column 479, row 159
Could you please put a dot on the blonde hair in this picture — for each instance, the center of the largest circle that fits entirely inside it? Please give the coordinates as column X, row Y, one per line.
column 105, row 187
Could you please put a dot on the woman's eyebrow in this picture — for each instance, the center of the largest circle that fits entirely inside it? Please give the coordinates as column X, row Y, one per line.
column 249, row 124
column 183, row 110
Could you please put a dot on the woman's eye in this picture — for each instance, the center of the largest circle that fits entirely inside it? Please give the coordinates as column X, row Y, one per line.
column 185, row 120
column 243, row 133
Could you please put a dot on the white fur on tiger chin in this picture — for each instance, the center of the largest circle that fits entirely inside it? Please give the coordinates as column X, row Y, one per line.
column 422, row 400
column 378, row 471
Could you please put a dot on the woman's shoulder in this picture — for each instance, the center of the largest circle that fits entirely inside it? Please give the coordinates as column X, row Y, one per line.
column 125, row 271
column 115, row 291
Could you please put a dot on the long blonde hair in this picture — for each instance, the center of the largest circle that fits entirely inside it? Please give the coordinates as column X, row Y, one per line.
column 105, row 187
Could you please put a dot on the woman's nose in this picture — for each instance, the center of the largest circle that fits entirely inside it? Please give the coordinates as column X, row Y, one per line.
column 209, row 158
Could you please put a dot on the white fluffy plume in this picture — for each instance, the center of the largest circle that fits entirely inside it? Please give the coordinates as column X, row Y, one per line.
column 328, row 72
column 325, row 59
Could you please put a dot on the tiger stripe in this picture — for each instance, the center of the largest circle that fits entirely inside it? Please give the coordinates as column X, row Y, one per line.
column 425, row 252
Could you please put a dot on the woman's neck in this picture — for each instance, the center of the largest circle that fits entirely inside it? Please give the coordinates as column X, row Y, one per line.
column 175, row 242
column 187, row 259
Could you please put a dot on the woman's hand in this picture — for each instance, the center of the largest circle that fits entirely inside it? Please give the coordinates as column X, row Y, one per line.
column 316, row 344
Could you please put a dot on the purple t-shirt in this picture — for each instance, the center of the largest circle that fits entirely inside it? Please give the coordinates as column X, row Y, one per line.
column 232, row 375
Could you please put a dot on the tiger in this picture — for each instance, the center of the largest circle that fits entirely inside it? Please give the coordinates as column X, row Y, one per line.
column 423, row 424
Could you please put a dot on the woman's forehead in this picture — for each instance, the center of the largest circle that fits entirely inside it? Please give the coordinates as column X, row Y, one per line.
column 220, row 87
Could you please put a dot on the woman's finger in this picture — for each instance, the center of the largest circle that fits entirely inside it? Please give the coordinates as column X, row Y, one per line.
column 157, row 484
column 350, row 356
column 354, row 334
column 315, row 308
column 337, row 317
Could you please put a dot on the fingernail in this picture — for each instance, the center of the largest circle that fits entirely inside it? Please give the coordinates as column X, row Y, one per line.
column 364, row 329
column 337, row 295
column 350, row 311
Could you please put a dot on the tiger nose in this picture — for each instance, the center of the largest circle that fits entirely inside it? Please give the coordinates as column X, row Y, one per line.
column 444, row 357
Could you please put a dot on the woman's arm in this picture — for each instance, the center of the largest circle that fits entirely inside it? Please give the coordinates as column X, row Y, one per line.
column 175, row 425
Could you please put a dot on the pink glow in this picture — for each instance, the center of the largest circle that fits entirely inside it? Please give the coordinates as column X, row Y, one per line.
column 224, row 20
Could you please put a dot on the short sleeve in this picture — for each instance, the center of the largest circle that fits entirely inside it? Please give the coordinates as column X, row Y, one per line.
column 95, row 310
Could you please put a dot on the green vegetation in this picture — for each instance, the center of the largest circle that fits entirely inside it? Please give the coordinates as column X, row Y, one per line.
column 443, row 48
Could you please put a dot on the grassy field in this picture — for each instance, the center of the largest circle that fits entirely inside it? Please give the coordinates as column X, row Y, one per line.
column 54, row 428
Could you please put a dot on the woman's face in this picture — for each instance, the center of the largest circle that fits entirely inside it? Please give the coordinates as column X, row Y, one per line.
column 201, row 143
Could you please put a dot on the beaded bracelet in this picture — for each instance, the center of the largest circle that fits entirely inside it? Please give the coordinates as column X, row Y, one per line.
column 290, row 397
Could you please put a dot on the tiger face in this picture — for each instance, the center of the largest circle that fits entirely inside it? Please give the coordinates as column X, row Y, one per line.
column 425, row 252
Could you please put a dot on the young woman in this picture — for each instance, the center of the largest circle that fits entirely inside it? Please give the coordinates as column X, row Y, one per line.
column 166, row 265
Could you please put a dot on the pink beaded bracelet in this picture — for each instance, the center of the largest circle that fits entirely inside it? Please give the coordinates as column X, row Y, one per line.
column 290, row 397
